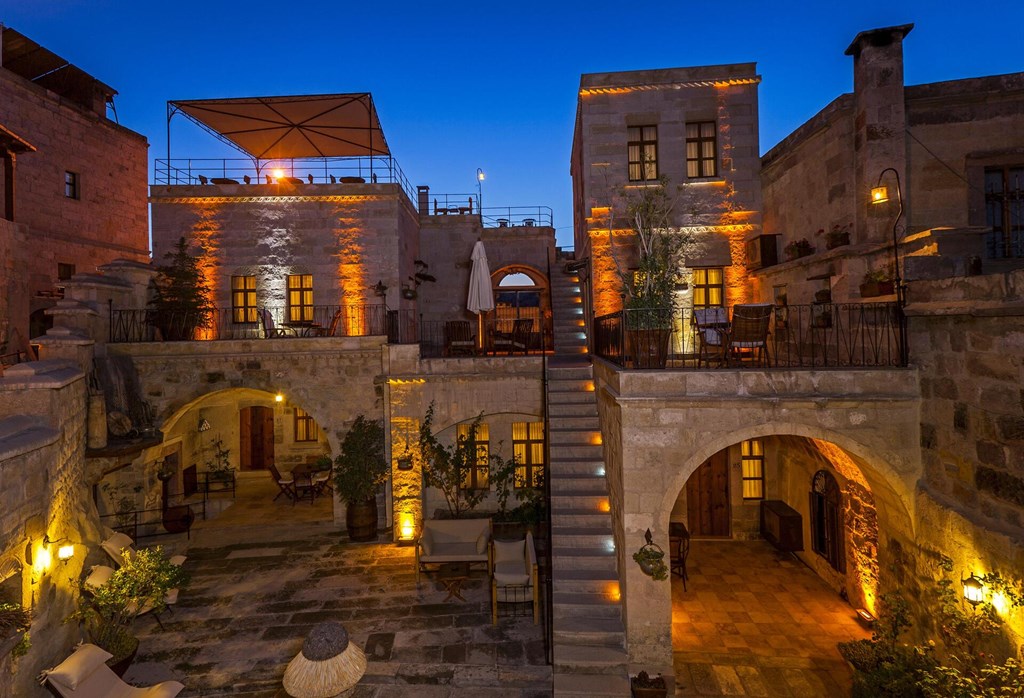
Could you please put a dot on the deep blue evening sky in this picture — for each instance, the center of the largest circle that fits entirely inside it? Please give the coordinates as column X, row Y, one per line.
column 466, row 85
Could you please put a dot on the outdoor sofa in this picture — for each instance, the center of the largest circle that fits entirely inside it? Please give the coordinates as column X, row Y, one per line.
column 453, row 540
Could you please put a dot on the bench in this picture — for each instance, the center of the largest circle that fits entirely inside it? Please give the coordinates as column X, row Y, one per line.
column 453, row 540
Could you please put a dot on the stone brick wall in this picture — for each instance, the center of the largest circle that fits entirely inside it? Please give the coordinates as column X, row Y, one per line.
column 348, row 236
column 109, row 220
column 42, row 422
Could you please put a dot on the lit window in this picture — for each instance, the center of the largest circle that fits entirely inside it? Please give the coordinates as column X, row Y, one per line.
column 300, row 298
column 701, row 149
column 243, row 299
column 643, row 153
column 528, row 450
column 71, row 185
column 752, row 464
column 305, row 427
column 708, row 287
column 476, row 477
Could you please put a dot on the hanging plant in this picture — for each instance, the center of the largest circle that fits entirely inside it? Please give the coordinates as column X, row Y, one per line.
column 651, row 559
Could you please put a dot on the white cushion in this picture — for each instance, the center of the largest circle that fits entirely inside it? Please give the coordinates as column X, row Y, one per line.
column 77, row 668
column 510, row 572
column 481, row 542
column 115, row 544
column 178, row 560
column 98, row 576
column 510, row 551
column 712, row 336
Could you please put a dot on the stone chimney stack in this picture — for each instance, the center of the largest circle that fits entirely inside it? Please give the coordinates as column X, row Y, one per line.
column 879, row 127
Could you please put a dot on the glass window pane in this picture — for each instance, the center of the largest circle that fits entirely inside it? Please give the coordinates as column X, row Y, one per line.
column 692, row 130
column 650, row 133
column 707, row 129
column 714, row 275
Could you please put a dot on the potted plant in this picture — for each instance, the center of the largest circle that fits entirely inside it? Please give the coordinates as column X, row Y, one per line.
column 877, row 282
column 123, row 504
column 180, row 303
column 650, row 289
column 109, row 611
column 644, row 686
column 837, row 237
column 14, row 621
column 798, row 248
column 651, row 559
column 445, row 466
column 359, row 470
column 218, row 466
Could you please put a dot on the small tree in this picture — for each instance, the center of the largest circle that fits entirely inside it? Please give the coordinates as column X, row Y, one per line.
column 445, row 467
column 361, row 468
column 181, row 296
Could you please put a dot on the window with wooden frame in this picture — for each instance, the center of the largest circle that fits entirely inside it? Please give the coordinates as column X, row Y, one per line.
column 243, row 299
column 305, row 426
column 752, row 468
column 642, row 145
column 477, row 476
column 71, row 185
column 528, row 450
column 300, row 298
column 701, row 149
column 1004, row 211
column 708, row 287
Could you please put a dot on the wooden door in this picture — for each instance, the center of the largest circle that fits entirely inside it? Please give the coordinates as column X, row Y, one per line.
column 707, row 497
column 256, row 438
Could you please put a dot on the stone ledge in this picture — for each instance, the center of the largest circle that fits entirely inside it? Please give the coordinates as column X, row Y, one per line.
column 21, row 434
column 49, row 373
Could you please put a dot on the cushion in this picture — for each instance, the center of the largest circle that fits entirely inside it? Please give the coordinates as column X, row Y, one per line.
column 712, row 336
column 427, row 541
column 510, row 551
column 509, row 572
column 481, row 542
column 76, row 668
column 115, row 544
column 99, row 576
column 178, row 560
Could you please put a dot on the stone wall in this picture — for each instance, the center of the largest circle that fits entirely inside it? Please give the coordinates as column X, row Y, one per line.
column 672, row 421
column 348, row 236
column 42, row 442
column 108, row 220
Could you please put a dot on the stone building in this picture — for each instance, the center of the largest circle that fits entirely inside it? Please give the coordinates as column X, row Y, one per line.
column 73, row 184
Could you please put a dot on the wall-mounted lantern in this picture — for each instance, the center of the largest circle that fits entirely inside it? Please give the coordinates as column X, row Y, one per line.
column 974, row 590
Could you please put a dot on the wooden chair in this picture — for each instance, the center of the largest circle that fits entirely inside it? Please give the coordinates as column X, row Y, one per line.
column 458, row 338
column 270, row 331
column 711, row 325
column 517, row 340
column 118, row 545
column 679, row 549
column 748, row 333
column 285, row 483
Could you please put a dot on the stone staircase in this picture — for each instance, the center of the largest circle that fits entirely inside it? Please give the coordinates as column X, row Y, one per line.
column 589, row 639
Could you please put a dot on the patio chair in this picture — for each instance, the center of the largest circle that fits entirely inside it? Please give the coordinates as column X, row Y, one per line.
column 118, row 545
column 679, row 549
column 320, row 482
column 285, row 483
column 748, row 333
column 517, row 340
column 85, row 674
column 330, row 329
column 711, row 325
column 270, row 331
column 514, row 579
column 458, row 338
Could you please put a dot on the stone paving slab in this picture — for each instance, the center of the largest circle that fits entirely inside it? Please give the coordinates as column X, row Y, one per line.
column 256, row 591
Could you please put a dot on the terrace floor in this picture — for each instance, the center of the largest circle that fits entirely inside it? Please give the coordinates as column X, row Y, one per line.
column 757, row 622
column 264, row 572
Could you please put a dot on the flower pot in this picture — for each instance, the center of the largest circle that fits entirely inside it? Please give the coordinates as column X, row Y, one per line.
column 837, row 240
column 649, row 692
column 361, row 520
column 643, row 686
column 649, row 347
column 870, row 289
column 120, row 665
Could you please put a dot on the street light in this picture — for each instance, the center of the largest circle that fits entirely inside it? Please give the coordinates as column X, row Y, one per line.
column 880, row 195
column 480, row 193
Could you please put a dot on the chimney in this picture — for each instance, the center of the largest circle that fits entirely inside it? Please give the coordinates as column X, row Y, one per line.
column 423, row 199
column 879, row 125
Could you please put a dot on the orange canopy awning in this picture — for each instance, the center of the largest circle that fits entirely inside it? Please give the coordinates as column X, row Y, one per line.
column 304, row 126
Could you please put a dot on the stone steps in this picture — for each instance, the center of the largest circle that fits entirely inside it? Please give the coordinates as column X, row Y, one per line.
column 593, row 660
column 577, row 685
column 577, row 484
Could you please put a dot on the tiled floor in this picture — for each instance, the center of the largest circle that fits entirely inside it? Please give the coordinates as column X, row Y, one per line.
column 756, row 622
column 264, row 572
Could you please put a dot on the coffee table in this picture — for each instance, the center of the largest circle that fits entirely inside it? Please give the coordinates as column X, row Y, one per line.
column 453, row 575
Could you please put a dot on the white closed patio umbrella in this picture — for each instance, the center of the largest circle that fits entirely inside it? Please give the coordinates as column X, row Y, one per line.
column 481, row 297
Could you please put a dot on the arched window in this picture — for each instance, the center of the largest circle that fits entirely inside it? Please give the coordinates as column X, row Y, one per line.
column 826, row 520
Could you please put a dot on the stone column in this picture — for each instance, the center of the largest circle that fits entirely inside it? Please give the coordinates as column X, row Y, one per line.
column 879, row 128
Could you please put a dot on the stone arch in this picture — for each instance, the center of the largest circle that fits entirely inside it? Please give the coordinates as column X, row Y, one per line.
column 892, row 491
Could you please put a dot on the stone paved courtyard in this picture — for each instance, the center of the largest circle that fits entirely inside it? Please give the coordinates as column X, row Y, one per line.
column 263, row 573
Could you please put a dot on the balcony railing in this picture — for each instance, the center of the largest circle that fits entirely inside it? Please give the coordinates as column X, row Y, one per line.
column 376, row 169
column 855, row 335
column 149, row 325
column 492, row 216
column 487, row 337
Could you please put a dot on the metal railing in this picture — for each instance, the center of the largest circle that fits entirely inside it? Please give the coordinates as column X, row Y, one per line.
column 517, row 216
column 147, row 523
column 377, row 169
column 149, row 325
column 849, row 335
column 436, row 338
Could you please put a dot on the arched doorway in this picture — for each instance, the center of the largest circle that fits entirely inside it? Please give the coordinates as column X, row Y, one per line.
column 522, row 293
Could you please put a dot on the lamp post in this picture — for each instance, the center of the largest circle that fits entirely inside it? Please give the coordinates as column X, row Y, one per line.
column 480, row 193
column 880, row 195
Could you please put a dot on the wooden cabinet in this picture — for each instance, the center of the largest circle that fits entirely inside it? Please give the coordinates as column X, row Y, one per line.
column 782, row 525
